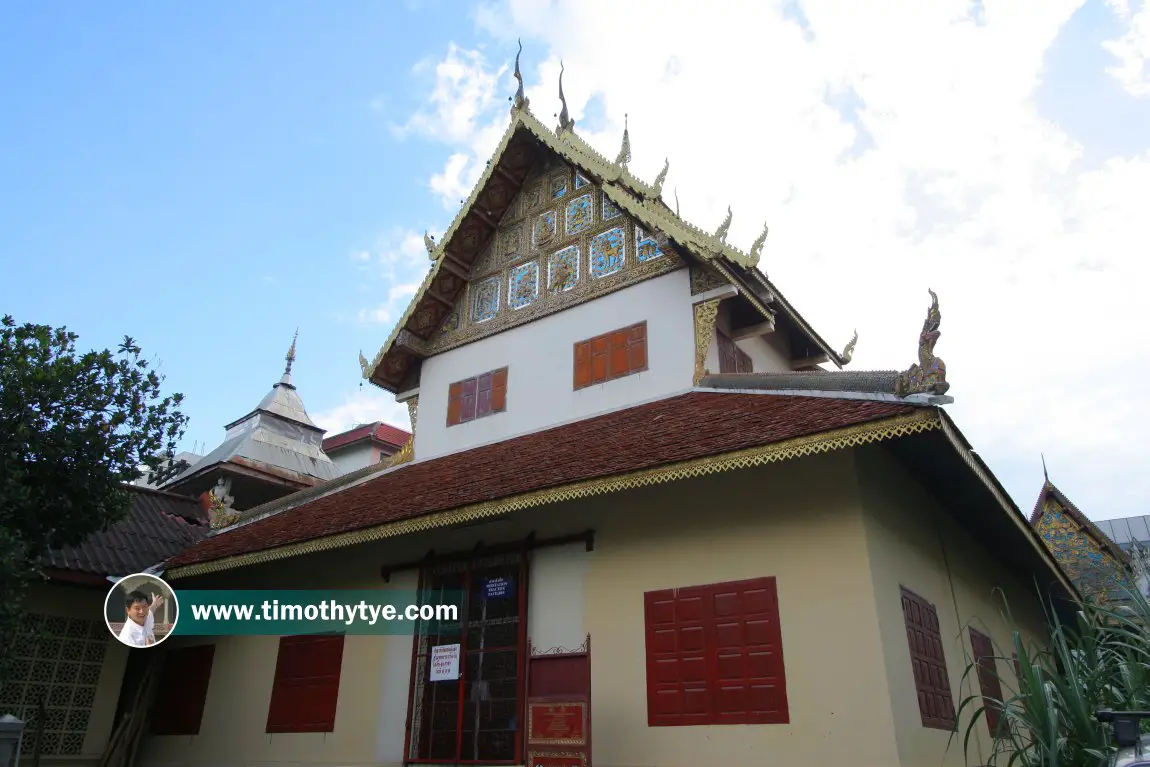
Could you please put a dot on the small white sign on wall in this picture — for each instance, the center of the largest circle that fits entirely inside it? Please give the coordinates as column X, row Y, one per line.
column 444, row 662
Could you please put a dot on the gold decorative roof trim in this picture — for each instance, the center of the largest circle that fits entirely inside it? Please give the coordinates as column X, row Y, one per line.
column 923, row 420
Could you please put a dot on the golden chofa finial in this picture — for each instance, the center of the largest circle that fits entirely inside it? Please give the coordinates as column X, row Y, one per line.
column 290, row 358
column 429, row 243
column 849, row 350
column 520, row 100
column 928, row 375
column 662, row 177
column 757, row 246
column 364, row 365
column 565, row 121
column 625, row 150
column 721, row 232
column 676, row 201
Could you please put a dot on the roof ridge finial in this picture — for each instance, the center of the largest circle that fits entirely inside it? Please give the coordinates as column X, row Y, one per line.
column 928, row 375
column 625, row 150
column 565, row 121
column 677, row 202
column 290, row 358
column 757, row 246
column 520, row 100
column 1045, row 476
column 662, row 177
column 721, row 232
column 849, row 350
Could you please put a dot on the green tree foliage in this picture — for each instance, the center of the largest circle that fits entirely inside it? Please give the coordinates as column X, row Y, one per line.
column 1047, row 713
column 74, row 428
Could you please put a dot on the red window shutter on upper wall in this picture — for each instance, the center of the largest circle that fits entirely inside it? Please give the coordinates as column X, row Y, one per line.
column 499, row 391
column 468, row 400
column 454, row 403
column 582, row 364
column 611, row 355
column 715, row 656
column 988, row 682
column 182, row 691
column 931, row 679
column 306, row 686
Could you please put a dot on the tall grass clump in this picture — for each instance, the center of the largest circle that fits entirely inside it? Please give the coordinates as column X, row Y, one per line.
column 1046, row 718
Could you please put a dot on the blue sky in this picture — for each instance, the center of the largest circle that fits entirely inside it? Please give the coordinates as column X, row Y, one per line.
column 206, row 178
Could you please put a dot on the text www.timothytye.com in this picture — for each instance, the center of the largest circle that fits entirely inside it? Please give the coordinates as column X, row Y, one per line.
column 330, row 611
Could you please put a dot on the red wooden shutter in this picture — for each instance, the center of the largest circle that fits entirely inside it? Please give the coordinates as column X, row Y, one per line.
column 619, row 363
column 931, row 679
column 637, row 348
column 600, row 347
column 499, row 391
column 483, row 395
column 988, row 682
column 582, row 364
column 306, row 686
column 183, row 690
column 715, row 655
column 468, row 400
column 678, row 678
column 727, row 363
column 454, row 403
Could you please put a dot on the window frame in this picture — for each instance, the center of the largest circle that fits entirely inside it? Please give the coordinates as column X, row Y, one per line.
column 518, row 555
column 932, row 631
column 709, row 656
column 629, row 343
column 461, row 411
column 287, row 678
column 989, row 683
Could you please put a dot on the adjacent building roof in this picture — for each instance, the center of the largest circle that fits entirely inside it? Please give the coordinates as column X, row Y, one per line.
column 372, row 432
column 277, row 438
column 637, row 439
column 1127, row 530
column 159, row 525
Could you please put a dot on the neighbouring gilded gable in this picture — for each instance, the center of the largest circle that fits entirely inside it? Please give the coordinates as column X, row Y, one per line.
column 561, row 242
column 1093, row 569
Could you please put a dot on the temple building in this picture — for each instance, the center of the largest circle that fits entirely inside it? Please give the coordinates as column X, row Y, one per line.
column 683, row 532
column 365, row 445
column 273, row 451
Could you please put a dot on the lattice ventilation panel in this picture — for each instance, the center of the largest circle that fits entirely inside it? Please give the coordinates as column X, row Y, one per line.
column 56, row 660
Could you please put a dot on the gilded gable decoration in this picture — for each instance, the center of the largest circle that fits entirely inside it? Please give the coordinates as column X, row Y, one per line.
column 704, row 278
column 1097, row 566
column 929, row 375
column 706, row 314
column 849, row 351
column 528, row 207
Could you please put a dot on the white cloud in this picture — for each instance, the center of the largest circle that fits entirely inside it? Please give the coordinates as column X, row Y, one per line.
column 1132, row 49
column 399, row 263
column 366, row 405
column 944, row 174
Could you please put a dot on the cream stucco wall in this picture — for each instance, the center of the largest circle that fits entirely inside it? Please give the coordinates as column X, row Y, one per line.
column 915, row 544
column 354, row 457
column 76, row 602
column 837, row 545
column 539, row 358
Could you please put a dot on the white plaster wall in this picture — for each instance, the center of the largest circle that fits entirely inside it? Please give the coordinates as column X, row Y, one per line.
column 354, row 457
column 555, row 597
column 395, row 676
column 769, row 353
column 540, row 359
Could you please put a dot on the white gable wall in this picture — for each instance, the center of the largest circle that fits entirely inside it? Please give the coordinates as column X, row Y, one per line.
column 540, row 361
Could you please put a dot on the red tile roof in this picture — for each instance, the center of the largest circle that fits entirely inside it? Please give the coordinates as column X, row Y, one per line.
column 157, row 526
column 681, row 428
column 378, row 431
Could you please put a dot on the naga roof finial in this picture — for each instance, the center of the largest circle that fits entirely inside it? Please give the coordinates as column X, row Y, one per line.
column 662, row 177
column 928, row 376
column 676, row 201
column 521, row 101
column 849, row 351
column 429, row 243
column 364, row 365
column 757, row 246
column 625, row 150
column 565, row 121
column 721, row 232
column 290, row 358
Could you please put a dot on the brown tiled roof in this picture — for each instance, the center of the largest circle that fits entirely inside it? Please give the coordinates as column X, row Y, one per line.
column 158, row 526
column 378, row 431
column 1080, row 519
column 867, row 381
column 680, row 428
